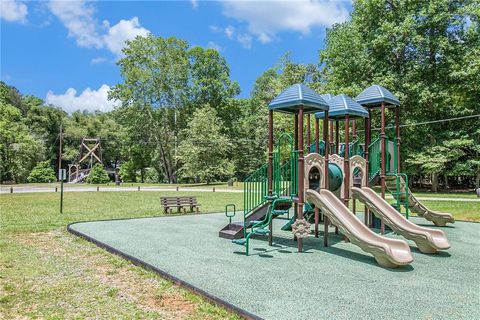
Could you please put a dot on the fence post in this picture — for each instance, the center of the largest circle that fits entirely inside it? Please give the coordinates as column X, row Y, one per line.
column 138, row 188
column 213, row 189
column 98, row 188
column 56, row 189
column 11, row 189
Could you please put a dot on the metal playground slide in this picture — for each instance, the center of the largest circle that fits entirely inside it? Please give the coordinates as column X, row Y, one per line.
column 389, row 253
column 427, row 240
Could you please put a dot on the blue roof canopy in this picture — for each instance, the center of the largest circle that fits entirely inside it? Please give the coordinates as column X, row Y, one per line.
column 343, row 105
column 326, row 96
column 293, row 97
column 374, row 95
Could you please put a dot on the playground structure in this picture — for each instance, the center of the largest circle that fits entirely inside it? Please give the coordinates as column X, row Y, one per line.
column 320, row 185
column 90, row 153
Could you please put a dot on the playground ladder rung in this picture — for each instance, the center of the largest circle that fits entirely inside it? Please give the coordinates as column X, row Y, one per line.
column 240, row 242
column 261, row 231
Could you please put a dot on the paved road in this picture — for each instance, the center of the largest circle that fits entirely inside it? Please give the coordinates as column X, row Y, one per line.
column 5, row 190
column 110, row 189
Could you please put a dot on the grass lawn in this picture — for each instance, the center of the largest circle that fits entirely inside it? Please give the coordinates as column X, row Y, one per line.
column 466, row 211
column 47, row 273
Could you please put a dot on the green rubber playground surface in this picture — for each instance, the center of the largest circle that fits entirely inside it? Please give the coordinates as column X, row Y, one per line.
column 338, row 282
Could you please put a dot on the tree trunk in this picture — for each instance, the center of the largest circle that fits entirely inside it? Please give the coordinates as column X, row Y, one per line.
column 477, row 181
column 434, row 182
column 445, row 182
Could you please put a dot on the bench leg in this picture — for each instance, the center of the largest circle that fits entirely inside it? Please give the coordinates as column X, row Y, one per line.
column 184, row 210
column 197, row 209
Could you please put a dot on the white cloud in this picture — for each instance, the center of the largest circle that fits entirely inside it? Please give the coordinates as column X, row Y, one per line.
column 245, row 40
column 13, row 11
column 229, row 32
column 98, row 60
column 215, row 28
column 266, row 18
column 79, row 19
column 214, row 45
column 121, row 32
column 90, row 100
column 194, row 4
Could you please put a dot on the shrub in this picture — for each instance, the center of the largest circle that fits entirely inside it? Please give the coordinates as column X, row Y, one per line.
column 42, row 172
column 98, row 175
column 127, row 172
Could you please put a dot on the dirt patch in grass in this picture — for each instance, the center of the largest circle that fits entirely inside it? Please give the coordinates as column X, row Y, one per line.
column 56, row 275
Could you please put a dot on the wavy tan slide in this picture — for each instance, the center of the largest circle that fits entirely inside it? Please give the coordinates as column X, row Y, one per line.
column 427, row 240
column 389, row 253
column 440, row 219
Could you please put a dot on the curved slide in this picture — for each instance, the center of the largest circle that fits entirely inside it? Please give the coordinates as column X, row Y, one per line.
column 440, row 219
column 427, row 240
column 389, row 253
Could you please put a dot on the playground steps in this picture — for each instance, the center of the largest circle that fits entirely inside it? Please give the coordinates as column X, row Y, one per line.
column 234, row 230
column 278, row 206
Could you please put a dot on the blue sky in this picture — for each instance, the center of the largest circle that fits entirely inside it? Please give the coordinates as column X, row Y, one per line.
column 65, row 51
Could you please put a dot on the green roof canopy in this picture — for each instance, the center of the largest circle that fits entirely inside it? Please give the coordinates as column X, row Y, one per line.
column 290, row 100
column 374, row 96
column 343, row 105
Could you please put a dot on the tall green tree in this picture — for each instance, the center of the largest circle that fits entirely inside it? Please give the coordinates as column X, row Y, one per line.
column 204, row 153
column 417, row 49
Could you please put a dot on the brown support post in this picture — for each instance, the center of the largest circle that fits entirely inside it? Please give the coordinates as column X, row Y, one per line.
column 383, row 157
column 295, row 124
column 354, row 138
column 337, row 138
column 270, row 167
column 337, row 148
column 317, row 150
column 308, row 134
column 330, row 137
column 397, row 127
column 325, row 178
column 301, row 170
column 346, row 161
column 354, row 130
column 270, row 152
column 367, row 142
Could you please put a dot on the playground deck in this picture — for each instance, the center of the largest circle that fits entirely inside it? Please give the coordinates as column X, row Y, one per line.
column 340, row 281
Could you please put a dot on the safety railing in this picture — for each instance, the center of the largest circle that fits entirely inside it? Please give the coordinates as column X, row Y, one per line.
column 255, row 189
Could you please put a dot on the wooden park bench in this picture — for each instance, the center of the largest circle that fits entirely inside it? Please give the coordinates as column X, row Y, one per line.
column 181, row 203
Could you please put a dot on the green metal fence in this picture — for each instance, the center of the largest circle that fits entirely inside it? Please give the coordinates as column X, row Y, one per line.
column 255, row 189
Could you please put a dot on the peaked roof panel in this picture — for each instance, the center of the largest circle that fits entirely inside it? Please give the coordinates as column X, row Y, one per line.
column 296, row 95
column 374, row 95
column 342, row 105
column 326, row 96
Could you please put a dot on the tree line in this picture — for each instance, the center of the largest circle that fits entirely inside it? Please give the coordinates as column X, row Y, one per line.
column 179, row 118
